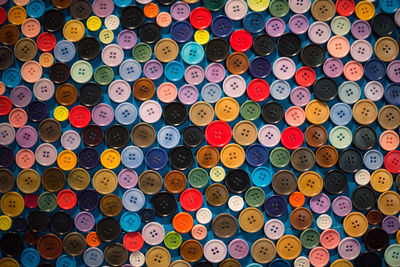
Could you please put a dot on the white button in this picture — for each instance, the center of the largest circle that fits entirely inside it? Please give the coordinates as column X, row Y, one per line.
column 204, row 215
column 274, row 229
column 111, row 22
column 235, row 203
column 362, row 177
column 301, row 262
column 324, row 222
column 136, row 259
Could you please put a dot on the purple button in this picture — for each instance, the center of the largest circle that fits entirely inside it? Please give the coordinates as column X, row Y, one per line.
column 238, row 248
column 46, row 154
column 299, row 6
column 88, row 200
column 180, row 11
column 70, row 140
column 349, row 248
column 320, row 203
column 260, row 67
column 102, row 114
column 6, row 156
column 103, row 8
column 390, row 224
column 43, row 89
column 333, row 67
column 274, row 229
column 26, row 136
column 112, row 55
column 153, row 233
column 319, row 32
column 7, row 134
column 275, row 27
column 361, row 29
column 153, row 69
column 194, row 74
column 84, row 221
column 127, row 178
column 127, row 39
column 119, row 91
column 215, row 251
column 284, row 68
column 21, row 96
column 215, row 73
column 188, row 94
column 298, row 24
column 300, row 96
column 393, row 71
column 342, row 206
column 269, row 135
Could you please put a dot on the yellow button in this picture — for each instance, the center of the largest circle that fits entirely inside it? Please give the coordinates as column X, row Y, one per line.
column 381, row 180
column 288, row 247
column 110, row 158
column 12, row 204
column 17, row 15
column 61, row 113
column 28, row 181
column 398, row 237
column 341, row 263
column 46, row 60
column 105, row 181
column 258, row 5
column 365, row 112
column 217, row 174
column 8, row 262
column 66, row 160
column 317, row 112
column 389, row 203
column 202, row 37
column 365, row 10
column 106, row 36
column 74, row 30
column 310, row 183
column 355, row 224
column 93, row 23
column 251, row 220
column 79, row 179
column 232, row 156
column 227, row 109
column 5, row 223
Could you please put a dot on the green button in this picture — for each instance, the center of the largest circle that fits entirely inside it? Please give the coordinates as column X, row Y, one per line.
column 278, row 8
column 214, row 5
column 340, row 25
column 173, row 240
column 47, row 201
column 142, row 52
column 104, row 75
column 255, row 197
column 279, row 157
column 250, row 110
column 392, row 255
column 81, row 71
column 309, row 238
column 340, row 137
column 349, row 92
column 198, row 178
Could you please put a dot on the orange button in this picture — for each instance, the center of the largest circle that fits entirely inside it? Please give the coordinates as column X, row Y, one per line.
column 182, row 222
column 150, row 10
column 93, row 240
column 297, row 199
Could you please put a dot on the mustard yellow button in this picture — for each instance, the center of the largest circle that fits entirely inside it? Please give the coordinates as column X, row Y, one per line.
column 365, row 112
column 46, row 60
column 227, row 109
column 341, row 263
column 105, row 181
column 28, row 181
column 201, row 37
column 310, row 183
column 251, row 220
column 365, row 10
column 381, row 180
column 389, row 203
column 317, row 112
column 12, row 204
column 78, row 179
column 398, row 237
column 17, row 15
column 5, row 223
column 74, row 30
column 61, row 113
column 258, row 5
column 355, row 224
column 288, row 247
column 93, row 23
column 106, row 36
column 8, row 262
column 110, row 158
column 217, row 174
column 232, row 156
column 66, row 160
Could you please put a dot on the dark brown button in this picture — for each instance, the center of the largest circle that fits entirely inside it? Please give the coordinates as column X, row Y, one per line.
column 49, row 130
column 53, row 179
column 9, row 34
column 111, row 205
column 237, row 63
column 59, row 72
column 284, row 182
column 31, row 238
column 61, row 4
column 66, row 94
column 230, row 263
column 25, row 49
column 6, row 181
column 92, row 135
column 316, row 135
column 224, row 225
column 115, row 254
column 175, row 182
column 49, row 247
column 191, row 250
column 143, row 89
column 389, row 117
column 150, row 182
column 143, row 135
column 216, row 195
column 302, row 159
column 207, row 157
column 74, row 244
column 301, row 218
column 374, row 217
column 326, row 156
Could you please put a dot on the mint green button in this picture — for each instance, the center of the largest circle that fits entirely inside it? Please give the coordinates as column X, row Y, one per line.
column 198, row 178
column 279, row 157
column 278, row 8
column 340, row 25
column 340, row 137
column 104, row 75
column 254, row 197
column 214, row 5
column 250, row 110
column 173, row 240
column 349, row 92
column 47, row 201
column 392, row 255
column 309, row 238
column 81, row 71
column 142, row 52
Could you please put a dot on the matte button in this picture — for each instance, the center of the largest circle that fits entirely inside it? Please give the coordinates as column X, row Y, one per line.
column 164, row 204
column 9, row 34
column 288, row 247
column 363, row 198
column 131, row 17
column 53, row 20
column 192, row 136
column 263, row 251
column 80, row 9
column 216, row 195
column 143, row 135
column 325, row 89
column 317, row 112
column 150, row 182
column 116, row 136
column 245, row 133
column 368, row 259
column 251, row 220
column 350, row 160
column 92, row 135
column 385, row 200
column 376, row 239
column 365, row 112
column 365, row 138
column 275, row 206
column 53, row 179
column 280, row 157
column 110, row 205
column 263, row 45
column 389, row 117
column 150, row 33
column 217, row 50
column 6, row 180
column 310, row 183
column 11, row 245
column 272, row 112
column 28, row 181
column 284, row 182
column 326, row 156
column 309, row 238
column 237, row 181
column 224, row 225
column 382, row 25
column 115, row 254
column 74, row 244
column 301, row 218
column 302, row 159
column 323, row 10
column 316, row 135
column 335, row 182
column 191, row 250
column 382, row 50
column 108, row 229
column 289, row 45
column 49, row 130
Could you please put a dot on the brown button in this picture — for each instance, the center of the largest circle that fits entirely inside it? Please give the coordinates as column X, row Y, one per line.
column 175, row 182
column 143, row 135
column 207, row 157
column 245, row 133
column 49, row 247
column 66, row 94
column 179, row 263
column 224, row 225
column 389, row 117
column 9, row 34
column 229, row 263
column 150, row 182
column 237, row 63
column 216, row 195
column 301, row 218
column 74, row 244
column 115, row 254
column 6, row 181
column 166, row 50
column 302, row 159
column 374, row 217
column 28, row 181
column 49, row 130
column 158, row 257
column 31, row 238
column 191, row 250
column 53, row 179
column 316, row 135
column 323, row 10
column 8, row 262
column 386, row 49
column 143, row 89
column 201, row 113
column 61, row 4
column 111, row 205
column 263, row 250
column 284, row 182
column 25, row 49
column 78, row 179
column 365, row 112
column 327, row 156
column 251, row 220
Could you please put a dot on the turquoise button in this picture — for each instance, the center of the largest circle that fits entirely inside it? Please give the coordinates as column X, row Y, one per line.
column 192, row 53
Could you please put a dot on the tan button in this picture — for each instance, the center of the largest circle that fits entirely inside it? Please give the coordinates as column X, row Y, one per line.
column 46, row 60
column 365, row 112
column 302, row 159
column 143, row 89
column 28, row 181
column 355, row 224
column 201, row 113
column 323, row 10
column 166, row 50
column 191, row 1
column 180, row 263
column 316, row 135
column 53, row 179
column 143, row 135
column 61, row 4
column 217, row 195
column 150, row 182
column 389, row 203
column 105, row 181
column 158, row 257
column 66, row 94
column 237, row 63
column 381, row 180
column 49, row 247
column 389, row 117
column 288, row 247
column 74, row 244
column 9, row 34
column 301, row 218
column 79, row 179
column 245, row 133
column 191, row 250
column 251, row 220
column 227, row 109
column 284, row 182
column 386, row 49
column 25, row 49
column 310, row 183
column 263, row 250
column 229, row 263
column 111, row 205
column 49, row 130
column 224, row 225
column 6, row 181
column 326, row 156
column 175, row 182
column 12, row 204
column 207, row 157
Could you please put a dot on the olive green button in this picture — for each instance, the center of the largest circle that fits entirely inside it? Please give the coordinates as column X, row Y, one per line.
column 279, row 157
column 173, row 240
column 81, row 71
column 340, row 25
column 198, row 178
column 309, row 238
column 142, row 52
column 104, row 75
column 214, row 5
column 278, row 8
column 250, row 110
column 255, row 197
column 47, row 201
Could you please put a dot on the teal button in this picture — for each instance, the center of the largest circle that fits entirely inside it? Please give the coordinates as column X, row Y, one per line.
column 192, row 53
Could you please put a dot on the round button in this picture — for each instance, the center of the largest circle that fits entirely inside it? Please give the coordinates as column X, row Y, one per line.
column 355, row 224
column 288, row 247
column 251, row 220
column 263, row 251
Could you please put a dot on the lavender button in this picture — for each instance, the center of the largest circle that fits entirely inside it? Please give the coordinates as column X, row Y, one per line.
column 238, row 248
column 180, row 11
column 102, row 114
column 153, row 69
column 333, row 67
column 194, row 74
column 153, row 233
column 127, row 39
column 43, row 89
column 393, row 71
column 215, row 73
column 361, row 29
column 46, row 154
column 84, row 221
column 215, row 251
column 274, row 229
column 319, row 32
column 298, row 24
column 320, row 203
column 103, row 8
column 269, row 135
column 26, row 136
column 7, row 134
column 127, row 178
column 188, row 94
column 342, row 206
column 21, row 96
column 275, row 27
column 349, row 248
column 300, row 96
column 390, row 224
column 70, row 140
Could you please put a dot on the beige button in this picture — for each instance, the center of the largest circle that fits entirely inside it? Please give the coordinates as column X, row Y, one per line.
column 28, row 181
column 245, row 133
column 201, row 113
column 143, row 135
column 386, row 49
column 251, row 220
column 263, row 250
column 150, row 182
column 365, row 112
column 79, row 179
column 389, row 203
column 288, row 247
column 389, row 117
column 323, row 10
column 166, row 50
column 105, row 181
column 227, row 109
column 158, row 257
column 207, row 157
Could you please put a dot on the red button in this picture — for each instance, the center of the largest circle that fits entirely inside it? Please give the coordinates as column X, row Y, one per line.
column 305, row 76
column 258, row 90
column 191, row 199
column 200, row 18
column 392, row 161
column 31, row 201
column 5, row 105
column 46, row 42
column 3, row 15
column 66, row 199
column 292, row 138
column 345, row 7
column 218, row 133
column 79, row 116
column 241, row 41
column 133, row 241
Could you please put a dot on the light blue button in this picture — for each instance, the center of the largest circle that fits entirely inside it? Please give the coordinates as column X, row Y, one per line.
column 254, row 22
column 373, row 159
column 35, row 8
column 130, row 221
column 192, row 53
column 65, row 261
column 349, row 92
column 30, row 257
column 122, row 3
column 130, row 70
column 211, row 92
column 168, row 137
column 93, row 257
column 64, row 51
column 262, row 176
column 132, row 157
column 174, row 71
column 126, row 113
column 389, row 6
column 341, row 114
column 133, row 199
column 11, row 77
column 280, row 90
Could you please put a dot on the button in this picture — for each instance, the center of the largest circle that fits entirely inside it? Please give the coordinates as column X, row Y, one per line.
column 115, row 254
column 275, row 206
column 373, row 159
column 323, row 10
column 28, row 181
column 108, row 229
column 365, row 112
column 368, row 258
column 12, row 245
column 263, row 251
column 365, row 10
column 341, row 25
column 388, row 117
column 292, row 138
column 301, row 218
column 251, row 220
column 302, row 159
column 150, row 182
column 386, row 49
column 143, row 135
column 309, row 238
column 324, row 221
column 191, row 199
column 280, row 90
column 374, row 217
column 191, row 251
column 133, row 241
column 6, row 180
column 284, row 182
column 385, row 201
column 224, row 225
column 390, row 224
column 363, row 198
column 299, row 7
column 376, row 239
column 319, row 256
column 284, row 68
column 181, row 158
column 80, row 9
column 9, row 34
column 280, row 157
column 93, row 256
column 288, row 247
column 84, row 221
column 164, row 204
column 49, row 247
column 216, row 195
column 364, row 138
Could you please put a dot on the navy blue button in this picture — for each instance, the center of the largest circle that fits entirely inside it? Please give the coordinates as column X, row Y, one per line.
column 168, row 137
column 181, row 31
column 341, row 114
column 222, row 26
column 64, row 51
column 392, row 94
column 65, row 261
column 37, row 111
column 126, row 113
column 146, row 215
column 88, row 200
column 279, row 263
column 373, row 159
column 174, row 71
column 88, row 158
column 156, row 158
column 256, row 155
column 260, row 67
column 132, row 157
column 254, row 22
column 275, row 206
column 35, row 8
column 6, row 156
column 374, row 69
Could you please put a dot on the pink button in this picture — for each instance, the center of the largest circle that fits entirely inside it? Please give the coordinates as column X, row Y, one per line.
column 389, row 140
column 17, row 117
column 329, row 239
column 284, row 68
column 269, row 135
column 374, row 90
column 319, row 32
column 46, row 154
column 319, row 257
column 338, row 46
column 112, row 55
column 215, row 73
column 361, row 50
column 25, row 158
column 300, row 96
column 127, row 178
column 234, row 86
column 353, row 71
column 199, row 232
column 119, row 91
column 295, row 116
column 31, row 71
column 194, row 74
column 167, row 92
column 150, row 111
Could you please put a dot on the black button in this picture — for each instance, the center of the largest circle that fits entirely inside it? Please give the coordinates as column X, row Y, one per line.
column 61, row 223
column 131, row 17
column 376, row 239
column 92, row 135
column 19, row 224
column 53, row 20
column 335, row 182
column 88, row 48
column 80, row 9
column 383, row 24
column 146, row 215
column 6, row 157
column 368, row 259
column 88, row 158
column 217, row 50
column 7, row 181
column 272, row 112
column 350, row 160
column 289, row 45
column 313, row 55
column 166, row 2
column 59, row 72
column 117, row 136
column 37, row 111
column 325, row 89
column 164, row 204
column 192, row 136
column 181, row 158
column 115, row 254
column 150, row 33
column 363, row 198
column 11, row 245
column 365, row 138
column 108, row 229
column 398, row 182
column 263, row 45
column 90, row 94
column 88, row 200
column 203, row 264
column 45, row 264
column 6, row 58
column 175, row 113
column 237, row 181
column 37, row 221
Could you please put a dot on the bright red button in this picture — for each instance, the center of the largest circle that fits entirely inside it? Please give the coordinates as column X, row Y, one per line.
column 258, row 90
column 305, row 76
column 392, row 161
column 241, row 41
column 5, row 105
column 133, row 241
column 79, row 116
column 66, row 199
column 292, row 138
column 200, row 18
column 218, row 133
column 46, row 42
column 3, row 15
column 191, row 199
column 31, row 201
column 345, row 7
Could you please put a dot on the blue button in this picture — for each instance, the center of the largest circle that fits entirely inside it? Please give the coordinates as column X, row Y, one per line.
column 65, row 261
column 374, row 69
column 192, row 53
column 37, row 111
column 93, row 257
column 168, row 137
column 279, row 263
column 11, row 77
column 373, row 159
column 211, row 92
column 389, row 6
column 130, row 70
column 64, row 51
column 35, row 8
column 174, row 71
column 130, row 221
column 122, row 3
column 30, row 257
column 256, row 155
column 392, row 94
column 275, row 206
column 126, row 113
column 254, row 265
column 156, row 158
column 279, row 90
column 132, row 157
column 181, row 31
column 88, row 157
column 88, row 200
column 254, row 22
column 341, row 114
column 133, row 199
column 222, row 26
column 262, row 176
